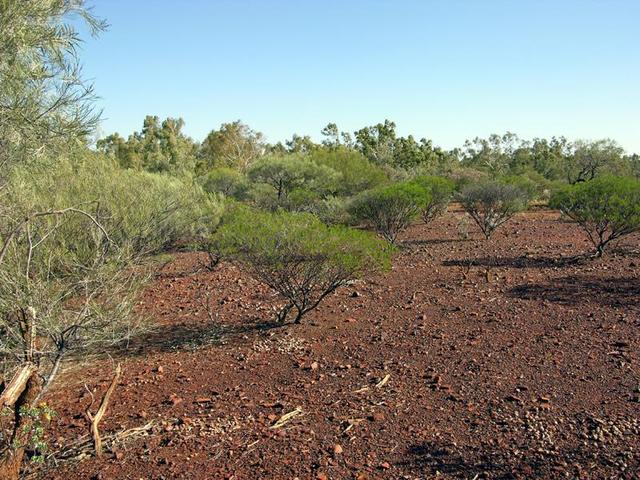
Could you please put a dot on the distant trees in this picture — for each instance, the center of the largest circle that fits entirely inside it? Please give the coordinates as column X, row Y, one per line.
column 607, row 208
column 382, row 146
column 491, row 204
column 158, row 147
column 233, row 145
column 285, row 174
column 298, row 256
column 390, row 210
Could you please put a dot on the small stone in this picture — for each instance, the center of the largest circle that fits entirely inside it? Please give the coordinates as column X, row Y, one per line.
column 337, row 449
column 314, row 366
column 385, row 465
column 322, row 476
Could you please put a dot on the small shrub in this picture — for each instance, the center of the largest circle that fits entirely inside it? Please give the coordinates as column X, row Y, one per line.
column 440, row 193
column 606, row 208
column 334, row 210
column 298, row 256
column 491, row 204
column 390, row 210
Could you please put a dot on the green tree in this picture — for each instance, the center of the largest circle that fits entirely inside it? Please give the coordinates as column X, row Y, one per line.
column 233, row 145
column 356, row 172
column 592, row 158
column 298, row 256
column 607, row 208
column 290, row 172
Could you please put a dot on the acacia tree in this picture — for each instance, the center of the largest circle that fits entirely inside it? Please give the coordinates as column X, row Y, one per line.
column 233, row 145
column 491, row 204
column 606, row 208
column 298, row 256
column 390, row 210
column 440, row 192
column 61, row 280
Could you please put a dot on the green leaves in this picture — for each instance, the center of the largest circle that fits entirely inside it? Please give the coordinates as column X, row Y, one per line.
column 491, row 204
column 297, row 255
column 390, row 210
column 606, row 208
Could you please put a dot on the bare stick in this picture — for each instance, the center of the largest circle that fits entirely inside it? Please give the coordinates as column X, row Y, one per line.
column 95, row 419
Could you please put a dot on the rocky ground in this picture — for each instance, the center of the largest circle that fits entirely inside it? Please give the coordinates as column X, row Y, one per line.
column 472, row 359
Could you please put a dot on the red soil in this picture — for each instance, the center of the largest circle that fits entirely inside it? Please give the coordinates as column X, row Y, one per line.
column 531, row 374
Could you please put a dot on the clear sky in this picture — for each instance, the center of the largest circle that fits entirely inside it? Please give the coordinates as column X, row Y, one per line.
column 446, row 70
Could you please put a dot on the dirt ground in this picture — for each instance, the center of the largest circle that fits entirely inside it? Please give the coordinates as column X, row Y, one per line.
column 472, row 359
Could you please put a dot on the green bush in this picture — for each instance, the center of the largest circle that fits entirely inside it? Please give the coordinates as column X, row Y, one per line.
column 390, row 210
column 607, row 208
column 334, row 210
column 491, row 204
column 357, row 174
column 227, row 181
column 532, row 183
column 149, row 212
column 440, row 192
column 298, row 256
column 284, row 174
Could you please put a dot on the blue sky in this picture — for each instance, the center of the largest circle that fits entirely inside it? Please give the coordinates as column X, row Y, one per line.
column 446, row 70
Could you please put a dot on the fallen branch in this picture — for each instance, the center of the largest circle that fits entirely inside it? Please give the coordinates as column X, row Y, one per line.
column 17, row 385
column 95, row 419
column 284, row 419
column 384, row 381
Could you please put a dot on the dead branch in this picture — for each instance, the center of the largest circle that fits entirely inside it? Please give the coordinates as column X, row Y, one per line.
column 17, row 385
column 95, row 419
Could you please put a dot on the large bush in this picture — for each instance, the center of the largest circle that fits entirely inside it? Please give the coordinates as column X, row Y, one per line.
column 298, row 256
column 390, row 210
column 491, row 204
column 150, row 212
column 440, row 192
column 607, row 208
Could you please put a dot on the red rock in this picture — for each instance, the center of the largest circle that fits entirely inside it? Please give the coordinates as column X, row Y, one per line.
column 337, row 449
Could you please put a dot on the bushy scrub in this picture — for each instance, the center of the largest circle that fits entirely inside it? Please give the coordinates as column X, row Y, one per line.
column 298, row 256
column 357, row 174
column 532, row 183
column 390, row 210
column 149, row 212
column 226, row 181
column 334, row 210
column 440, row 193
column 286, row 173
column 606, row 208
column 491, row 204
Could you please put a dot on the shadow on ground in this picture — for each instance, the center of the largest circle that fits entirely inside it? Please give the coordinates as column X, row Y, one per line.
column 518, row 262
column 574, row 290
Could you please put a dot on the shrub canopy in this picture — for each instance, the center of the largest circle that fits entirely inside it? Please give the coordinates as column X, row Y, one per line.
column 606, row 208
column 440, row 192
column 298, row 256
column 491, row 204
column 390, row 210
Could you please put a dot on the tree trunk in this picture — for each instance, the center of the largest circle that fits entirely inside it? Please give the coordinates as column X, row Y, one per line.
column 11, row 459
